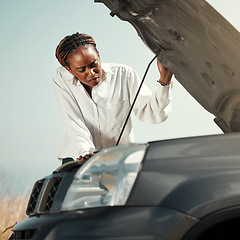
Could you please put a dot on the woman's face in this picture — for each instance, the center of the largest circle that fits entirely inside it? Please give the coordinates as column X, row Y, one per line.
column 85, row 64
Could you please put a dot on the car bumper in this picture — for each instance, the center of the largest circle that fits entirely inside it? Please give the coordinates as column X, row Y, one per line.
column 121, row 223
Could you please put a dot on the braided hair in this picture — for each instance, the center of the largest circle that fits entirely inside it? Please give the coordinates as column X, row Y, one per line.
column 70, row 43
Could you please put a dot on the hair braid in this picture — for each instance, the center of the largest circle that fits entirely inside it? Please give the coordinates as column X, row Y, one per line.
column 70, row 43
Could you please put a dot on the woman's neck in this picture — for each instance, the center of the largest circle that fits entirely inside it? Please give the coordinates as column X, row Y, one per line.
column 88, row 89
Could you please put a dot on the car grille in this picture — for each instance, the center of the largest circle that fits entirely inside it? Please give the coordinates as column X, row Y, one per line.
column 43, row 194
column 34, row 196
column 52, row 193
column 26, row 234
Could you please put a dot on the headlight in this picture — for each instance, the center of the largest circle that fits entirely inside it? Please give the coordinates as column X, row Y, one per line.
column 106, row 179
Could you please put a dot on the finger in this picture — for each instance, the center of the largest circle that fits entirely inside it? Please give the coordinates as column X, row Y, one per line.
column 80, row 158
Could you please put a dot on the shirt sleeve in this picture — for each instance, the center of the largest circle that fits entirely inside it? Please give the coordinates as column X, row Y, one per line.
column 77, row 139
column 151, row 106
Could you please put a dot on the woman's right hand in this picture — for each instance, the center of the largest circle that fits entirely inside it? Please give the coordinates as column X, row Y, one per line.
column 85, row 157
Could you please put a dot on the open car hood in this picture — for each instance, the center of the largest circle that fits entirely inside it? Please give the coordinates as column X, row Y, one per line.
column 197, row 44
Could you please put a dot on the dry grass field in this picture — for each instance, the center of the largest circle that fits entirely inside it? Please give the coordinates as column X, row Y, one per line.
column 12, row 210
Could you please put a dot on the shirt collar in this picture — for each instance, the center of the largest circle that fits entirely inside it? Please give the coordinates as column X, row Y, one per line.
column 106, row 68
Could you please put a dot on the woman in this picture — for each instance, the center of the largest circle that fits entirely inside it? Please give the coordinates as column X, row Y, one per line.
column 95, row 98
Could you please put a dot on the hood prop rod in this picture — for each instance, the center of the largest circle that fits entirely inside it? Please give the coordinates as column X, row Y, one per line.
column 129, row 113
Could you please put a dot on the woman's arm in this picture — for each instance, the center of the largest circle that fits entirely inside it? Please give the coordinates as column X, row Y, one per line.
column 151, row 107
column 79, row 139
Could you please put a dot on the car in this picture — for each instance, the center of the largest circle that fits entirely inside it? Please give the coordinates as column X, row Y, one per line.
column 186, row 188
column 171, row 189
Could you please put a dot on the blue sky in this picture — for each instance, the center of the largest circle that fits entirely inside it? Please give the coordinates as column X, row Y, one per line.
column 31, row 125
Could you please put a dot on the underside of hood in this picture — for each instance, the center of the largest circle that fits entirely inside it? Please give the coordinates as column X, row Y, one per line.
column 197, row 44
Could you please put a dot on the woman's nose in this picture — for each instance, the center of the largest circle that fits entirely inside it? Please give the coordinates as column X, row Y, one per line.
column 90, row 72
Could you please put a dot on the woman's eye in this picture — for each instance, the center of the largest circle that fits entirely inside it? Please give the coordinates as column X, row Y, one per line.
column 81, row 70
column 93, row 64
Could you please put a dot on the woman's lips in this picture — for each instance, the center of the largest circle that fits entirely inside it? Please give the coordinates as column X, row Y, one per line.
column 93, row 79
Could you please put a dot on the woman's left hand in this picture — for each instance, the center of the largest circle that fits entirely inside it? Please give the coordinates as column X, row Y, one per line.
column 165, row 74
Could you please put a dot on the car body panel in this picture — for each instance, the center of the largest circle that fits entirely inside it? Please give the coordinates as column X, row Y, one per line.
column 197, row 175
column 125, row 223
column 197, row 44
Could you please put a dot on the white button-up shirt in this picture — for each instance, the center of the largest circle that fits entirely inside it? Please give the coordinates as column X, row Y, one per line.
column 91, row 124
